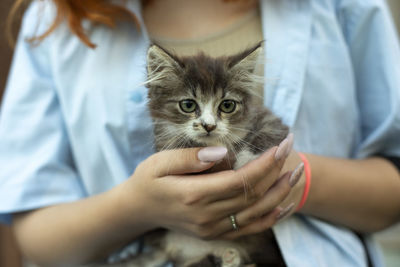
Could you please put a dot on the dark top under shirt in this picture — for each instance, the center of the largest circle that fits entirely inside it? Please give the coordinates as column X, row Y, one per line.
column 394, row 160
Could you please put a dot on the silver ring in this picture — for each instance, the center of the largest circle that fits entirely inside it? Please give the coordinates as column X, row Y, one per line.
column 233, row 222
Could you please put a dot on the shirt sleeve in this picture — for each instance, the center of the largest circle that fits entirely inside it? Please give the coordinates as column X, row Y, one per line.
column 36, row 162
column 373, row 45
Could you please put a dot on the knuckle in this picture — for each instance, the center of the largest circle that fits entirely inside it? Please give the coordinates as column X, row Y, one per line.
column 268, row 165
column 268, row 168
column 268, row 223
column 189, row 199
column 148, row 164
column 257, row 229
column 261, row 225
column 256, row 194
column 207, row 235
column 239, row 182
column 259, row 192
column 285, row 190
column 152, row 159
column 202, row 221
column 255, row 216
column 142, row 165
column 203, row 232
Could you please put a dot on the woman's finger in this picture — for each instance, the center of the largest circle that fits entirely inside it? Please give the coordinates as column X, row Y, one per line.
column 230, row 184
column 245, row 212
column 253, row 205
column 182, row 161
column 258, row 175
column 224, row 208
column 271, row 199
column 241, row 183
column 258, row 226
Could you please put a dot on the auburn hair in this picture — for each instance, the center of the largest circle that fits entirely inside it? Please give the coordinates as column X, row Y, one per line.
column 73, row 12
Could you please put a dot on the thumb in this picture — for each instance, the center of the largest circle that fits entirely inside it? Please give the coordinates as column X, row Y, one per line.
column 187, row 160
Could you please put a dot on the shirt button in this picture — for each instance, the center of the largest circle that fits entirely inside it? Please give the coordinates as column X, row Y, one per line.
column 136, row 97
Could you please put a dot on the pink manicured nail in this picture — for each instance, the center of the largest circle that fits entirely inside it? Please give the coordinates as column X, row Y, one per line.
column 295, row 177
column 285, row 211
column 282, row 149
column 211, row 154
column 290, row 138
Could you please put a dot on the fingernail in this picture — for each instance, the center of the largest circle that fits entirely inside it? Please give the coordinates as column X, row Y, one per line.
column 211, row 154
column 296, row 174
column 282, row 149
column 290, row 138
column 285, row 211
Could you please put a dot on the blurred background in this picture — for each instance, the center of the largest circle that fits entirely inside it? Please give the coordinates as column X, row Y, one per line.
column 9, row 254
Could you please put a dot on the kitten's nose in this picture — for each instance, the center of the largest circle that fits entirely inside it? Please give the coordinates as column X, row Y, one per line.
column 209, row 127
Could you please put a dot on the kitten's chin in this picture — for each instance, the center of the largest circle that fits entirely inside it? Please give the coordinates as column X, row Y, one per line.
column 210, row 140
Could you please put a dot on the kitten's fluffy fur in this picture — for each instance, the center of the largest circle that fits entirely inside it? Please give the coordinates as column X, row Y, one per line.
column 247, row 131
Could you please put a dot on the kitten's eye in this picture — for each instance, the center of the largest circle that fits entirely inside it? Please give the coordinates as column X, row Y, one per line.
column 188, row 105
column 227, row 106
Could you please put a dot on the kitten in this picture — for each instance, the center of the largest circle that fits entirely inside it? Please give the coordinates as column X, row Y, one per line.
column 200, row 101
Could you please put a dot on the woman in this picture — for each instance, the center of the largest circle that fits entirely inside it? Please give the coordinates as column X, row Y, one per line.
column 75, row 127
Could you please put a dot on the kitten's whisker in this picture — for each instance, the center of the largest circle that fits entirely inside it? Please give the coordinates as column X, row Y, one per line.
column 243, row 144
column 169, row 132
column 244, row 130
column 246, row 185
column 155, row 75
column 169, row 144
column 171, row 139
column 222, row 140
column 181, row 144
column 247, row 143
column 271, row 78
column 159, row 122
column 166, row 135
column 253, row 93
column 174, row 143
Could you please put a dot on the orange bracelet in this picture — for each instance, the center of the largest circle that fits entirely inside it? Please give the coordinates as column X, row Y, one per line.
column 307, row 171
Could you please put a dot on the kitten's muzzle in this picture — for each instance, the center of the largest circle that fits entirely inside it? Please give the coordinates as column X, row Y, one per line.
column 209, row 127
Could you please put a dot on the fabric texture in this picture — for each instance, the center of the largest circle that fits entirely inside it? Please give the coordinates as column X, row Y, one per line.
column 74, row 121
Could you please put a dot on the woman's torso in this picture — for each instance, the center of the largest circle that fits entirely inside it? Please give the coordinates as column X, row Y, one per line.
column 103, row 104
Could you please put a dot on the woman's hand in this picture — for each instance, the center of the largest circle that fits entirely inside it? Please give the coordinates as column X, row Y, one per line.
column 278, row 202
column 172, row 194
column 165, row 191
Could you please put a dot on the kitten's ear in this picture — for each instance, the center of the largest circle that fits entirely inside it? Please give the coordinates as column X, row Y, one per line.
column 159, row 61
column 248, row 59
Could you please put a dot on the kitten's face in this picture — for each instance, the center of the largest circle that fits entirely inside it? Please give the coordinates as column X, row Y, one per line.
column 200, row 100
column 211, row 119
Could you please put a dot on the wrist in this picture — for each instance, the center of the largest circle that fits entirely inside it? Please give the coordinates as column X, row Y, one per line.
column 314, row 198
column 307, row 182
column 129, row 209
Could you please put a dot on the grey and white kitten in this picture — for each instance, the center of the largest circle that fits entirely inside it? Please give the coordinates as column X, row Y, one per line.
column 200, row 101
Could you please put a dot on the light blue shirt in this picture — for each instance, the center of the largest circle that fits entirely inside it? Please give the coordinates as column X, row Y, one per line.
column 74, row 121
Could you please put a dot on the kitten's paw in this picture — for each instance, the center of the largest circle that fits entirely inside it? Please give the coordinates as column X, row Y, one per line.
column 228, row 257
column 208, row 261
column 231, row 258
